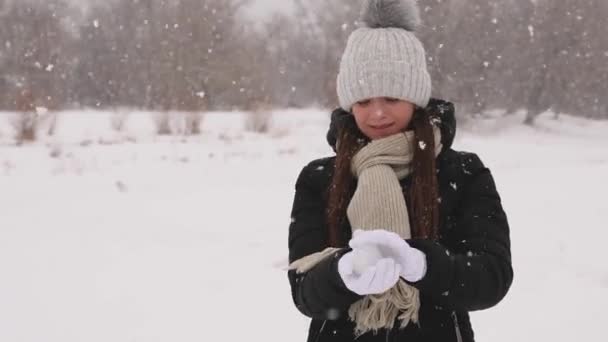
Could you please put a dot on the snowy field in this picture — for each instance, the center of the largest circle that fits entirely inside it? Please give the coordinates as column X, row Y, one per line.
column 129, row 237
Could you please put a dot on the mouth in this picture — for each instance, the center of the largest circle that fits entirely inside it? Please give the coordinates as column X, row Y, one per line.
column 381, row 126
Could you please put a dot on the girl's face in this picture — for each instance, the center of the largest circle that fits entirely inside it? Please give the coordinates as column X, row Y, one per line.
column 381, row 117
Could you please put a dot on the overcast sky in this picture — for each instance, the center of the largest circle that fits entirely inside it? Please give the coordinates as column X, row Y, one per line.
column 262, row 7
column 266, row 5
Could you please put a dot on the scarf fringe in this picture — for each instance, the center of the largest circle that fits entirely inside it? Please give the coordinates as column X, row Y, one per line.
column 375, row 312
column 306, row 263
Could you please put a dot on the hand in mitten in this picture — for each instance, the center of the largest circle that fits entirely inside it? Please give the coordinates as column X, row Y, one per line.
column 364, row 276
column 391, row 245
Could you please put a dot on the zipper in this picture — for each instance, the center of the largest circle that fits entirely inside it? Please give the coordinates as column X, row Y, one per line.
column 457, row 327
column 320, row 331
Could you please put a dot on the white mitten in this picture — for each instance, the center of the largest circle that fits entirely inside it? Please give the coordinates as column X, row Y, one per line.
column 377, row 278
column 391, row 245
column 365, row 257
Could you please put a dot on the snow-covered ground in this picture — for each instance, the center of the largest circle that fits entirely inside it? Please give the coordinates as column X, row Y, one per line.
column 184, row 238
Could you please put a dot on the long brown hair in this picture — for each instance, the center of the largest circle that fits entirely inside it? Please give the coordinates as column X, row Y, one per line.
column 422, row 196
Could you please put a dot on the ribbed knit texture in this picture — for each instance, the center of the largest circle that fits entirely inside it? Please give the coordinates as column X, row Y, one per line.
column 378, row 203
column 383, row 62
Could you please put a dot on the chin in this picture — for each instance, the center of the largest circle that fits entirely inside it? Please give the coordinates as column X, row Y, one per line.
column 382, row 135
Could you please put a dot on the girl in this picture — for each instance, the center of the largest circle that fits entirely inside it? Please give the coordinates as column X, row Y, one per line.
column 398, row 237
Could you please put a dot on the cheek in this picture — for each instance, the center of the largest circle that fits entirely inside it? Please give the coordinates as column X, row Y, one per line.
column 404, row 117
column 360, row 116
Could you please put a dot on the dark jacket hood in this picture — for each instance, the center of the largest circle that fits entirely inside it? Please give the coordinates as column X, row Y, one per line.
column 446, row 120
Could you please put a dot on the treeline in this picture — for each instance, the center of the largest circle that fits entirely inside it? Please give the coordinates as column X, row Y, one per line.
column 197, row 55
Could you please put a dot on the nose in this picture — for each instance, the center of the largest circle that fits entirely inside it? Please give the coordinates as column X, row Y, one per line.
column 377, row 109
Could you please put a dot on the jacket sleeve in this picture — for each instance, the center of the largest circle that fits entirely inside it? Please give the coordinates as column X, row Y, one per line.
column 476, row 272
column 319, row 293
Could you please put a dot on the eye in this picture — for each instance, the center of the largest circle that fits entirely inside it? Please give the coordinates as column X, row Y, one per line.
column 391, row 99
column 363, row 102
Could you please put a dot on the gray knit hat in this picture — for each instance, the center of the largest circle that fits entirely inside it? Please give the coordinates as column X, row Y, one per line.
column 384, row 58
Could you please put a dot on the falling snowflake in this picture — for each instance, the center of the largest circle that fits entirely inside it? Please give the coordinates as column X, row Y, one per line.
column 333, row 314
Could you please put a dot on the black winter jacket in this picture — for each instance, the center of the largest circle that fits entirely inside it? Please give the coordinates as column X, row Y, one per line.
column 468, row 267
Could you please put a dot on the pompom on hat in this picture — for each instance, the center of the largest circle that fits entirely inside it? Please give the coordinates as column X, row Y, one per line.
column 384, row 58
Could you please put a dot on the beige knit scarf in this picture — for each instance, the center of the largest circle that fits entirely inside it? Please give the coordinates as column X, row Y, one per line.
column 378, row 203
